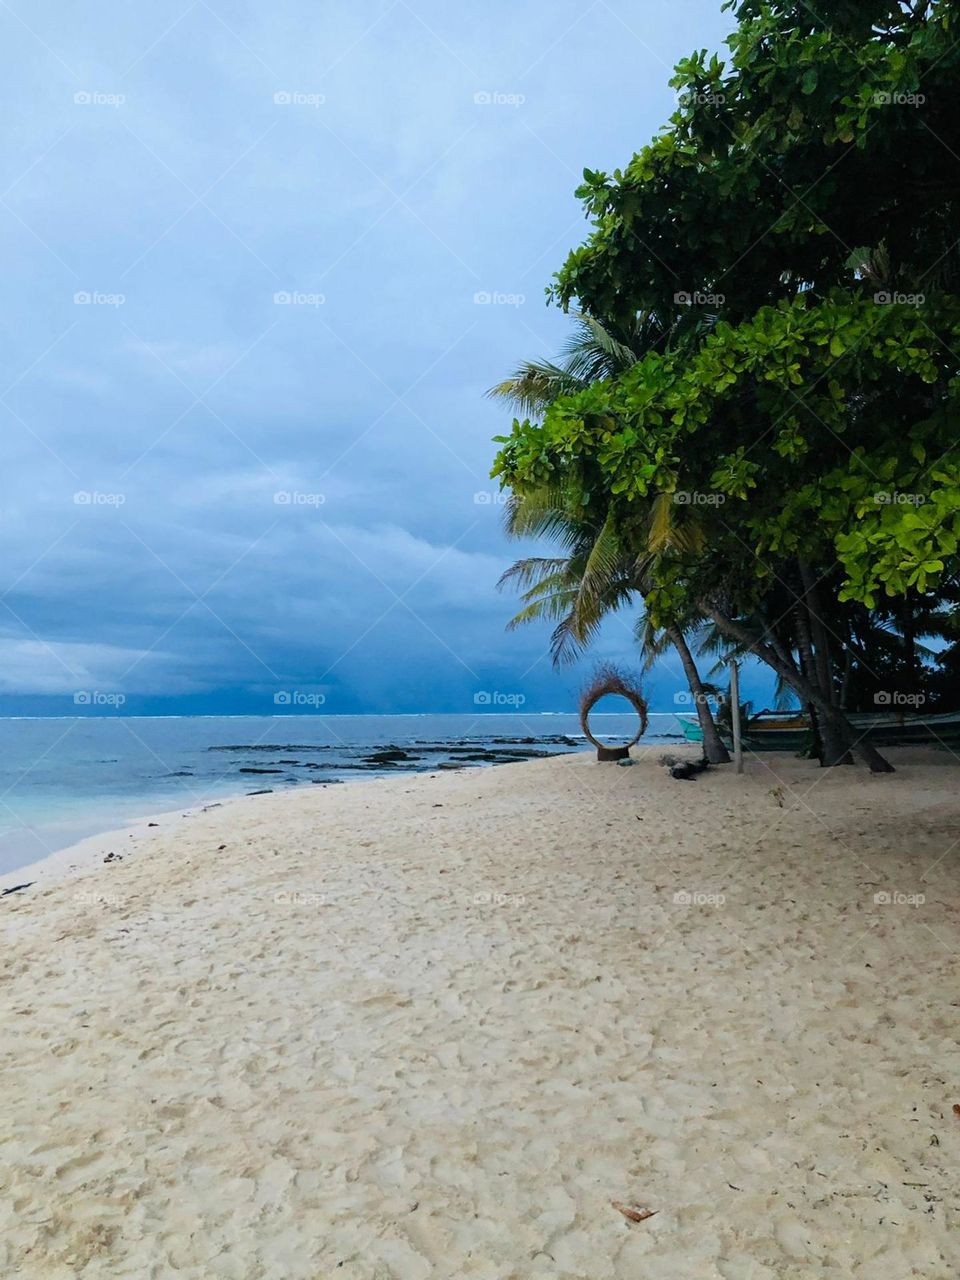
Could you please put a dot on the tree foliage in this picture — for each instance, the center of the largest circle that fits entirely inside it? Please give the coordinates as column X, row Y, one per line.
column 793, row 434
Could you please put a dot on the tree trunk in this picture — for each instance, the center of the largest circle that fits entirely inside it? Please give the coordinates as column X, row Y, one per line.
column 818, row 632
column 847, row 672
column 808, row 691
column 821, row 669
column 833, row 747
column 713, row 749
column 806, row 661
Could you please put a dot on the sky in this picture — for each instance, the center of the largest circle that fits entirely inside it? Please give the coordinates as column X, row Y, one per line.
column 263, row 261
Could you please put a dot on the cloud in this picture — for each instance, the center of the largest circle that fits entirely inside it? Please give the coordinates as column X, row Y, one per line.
column 410, row 565
column 197, row 198
column 197, row 362
column 57, row 667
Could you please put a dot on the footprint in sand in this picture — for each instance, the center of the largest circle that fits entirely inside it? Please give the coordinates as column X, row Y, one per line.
column 80, row 1170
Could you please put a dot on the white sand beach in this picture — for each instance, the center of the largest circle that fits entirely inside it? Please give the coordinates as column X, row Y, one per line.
column 435, row 1026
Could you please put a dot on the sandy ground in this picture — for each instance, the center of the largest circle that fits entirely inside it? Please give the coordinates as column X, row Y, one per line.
column 90, row 851
column 433, row 1026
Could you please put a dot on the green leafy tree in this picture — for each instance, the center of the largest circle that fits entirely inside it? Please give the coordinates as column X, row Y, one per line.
column 793, row 227
column 598, row 575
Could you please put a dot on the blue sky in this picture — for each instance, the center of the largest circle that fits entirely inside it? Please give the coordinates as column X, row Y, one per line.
column 244, row 356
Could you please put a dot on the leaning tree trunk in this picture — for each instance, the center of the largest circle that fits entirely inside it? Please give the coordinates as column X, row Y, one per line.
column 833, row 747
column 816, row 746
column 713, row 749
column 819, row 632
column 834, row 752
column 808, row 691
column 847, row 672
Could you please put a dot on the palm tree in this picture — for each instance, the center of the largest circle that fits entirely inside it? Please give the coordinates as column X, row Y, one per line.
column 653, row 643
column 594, row 352
column 595, row 577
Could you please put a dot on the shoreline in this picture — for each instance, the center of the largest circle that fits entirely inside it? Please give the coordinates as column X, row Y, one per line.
column 89, row 844
column 87, row 854
column 447, row 1023
column 49, row 819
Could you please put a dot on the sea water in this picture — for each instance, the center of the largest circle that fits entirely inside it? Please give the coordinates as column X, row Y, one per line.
column 63, row 779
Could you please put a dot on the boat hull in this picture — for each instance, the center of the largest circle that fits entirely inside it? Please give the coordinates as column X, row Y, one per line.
column 879, row 728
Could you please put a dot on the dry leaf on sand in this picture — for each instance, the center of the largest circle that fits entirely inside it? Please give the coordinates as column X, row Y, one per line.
column 633, row 1211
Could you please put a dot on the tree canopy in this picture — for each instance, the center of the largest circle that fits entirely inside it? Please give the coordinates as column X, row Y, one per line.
column 794, row 230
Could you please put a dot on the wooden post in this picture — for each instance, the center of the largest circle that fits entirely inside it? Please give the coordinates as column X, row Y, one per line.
column 735, row 715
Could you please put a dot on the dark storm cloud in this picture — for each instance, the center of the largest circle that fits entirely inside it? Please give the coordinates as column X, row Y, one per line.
column 265, row 262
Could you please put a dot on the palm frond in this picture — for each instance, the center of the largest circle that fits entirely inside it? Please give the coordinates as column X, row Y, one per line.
column 541, row 515
column 669, row 531
column 591, row 339
column 531, row 572
column 661, row 523
column 653, row 641
column 605, row 562
column 534, row 385
column 566, row 644
column 550, row 607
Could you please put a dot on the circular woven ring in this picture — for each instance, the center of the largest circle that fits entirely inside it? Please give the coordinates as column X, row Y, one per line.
column 609, row 681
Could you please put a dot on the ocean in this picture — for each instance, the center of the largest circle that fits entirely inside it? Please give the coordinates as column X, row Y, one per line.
column 64, row 779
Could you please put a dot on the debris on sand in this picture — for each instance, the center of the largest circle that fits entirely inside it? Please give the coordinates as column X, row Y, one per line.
column 683, row 770
column 635, row 1212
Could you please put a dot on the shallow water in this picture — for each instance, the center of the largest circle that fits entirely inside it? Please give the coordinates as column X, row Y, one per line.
column 63, row 779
